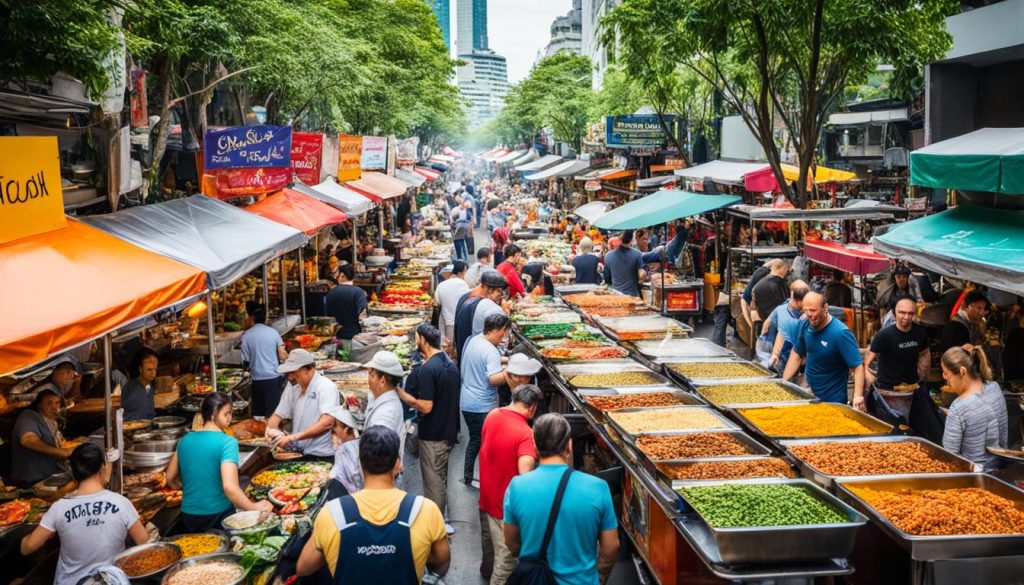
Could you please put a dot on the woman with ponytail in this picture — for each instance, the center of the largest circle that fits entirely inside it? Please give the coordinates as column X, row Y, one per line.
column 977, row 418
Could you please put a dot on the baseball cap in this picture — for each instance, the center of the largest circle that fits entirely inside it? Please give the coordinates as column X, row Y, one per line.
column 387, row 362
column 522, row 365
column 493, row 279
column 343, row 415
column 298, row 358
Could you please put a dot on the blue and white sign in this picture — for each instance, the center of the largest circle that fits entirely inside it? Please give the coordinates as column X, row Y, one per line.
column 638, row 131
column 247, row 146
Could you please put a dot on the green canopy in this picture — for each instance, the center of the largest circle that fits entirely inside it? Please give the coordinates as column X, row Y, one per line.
column 990, row 159
column 976, row 243
column 661, row 207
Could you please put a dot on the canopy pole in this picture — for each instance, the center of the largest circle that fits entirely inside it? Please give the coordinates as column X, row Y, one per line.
column 266, row 290
column 211, row 329
column 355, row 241
column 380, row 227
column 108, row 406
column 284, row 290
column 664, row 236
column 302, row 284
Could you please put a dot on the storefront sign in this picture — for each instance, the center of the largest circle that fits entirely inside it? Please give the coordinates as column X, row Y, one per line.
column 375, row 153
column 592, row 186
column 307, row 150
column 407, row 149
column 243, row 182
column 674, row 163
column 31, row 198
column 638, row 131
column 247, row 146
column 685, row 301
column 350, row 149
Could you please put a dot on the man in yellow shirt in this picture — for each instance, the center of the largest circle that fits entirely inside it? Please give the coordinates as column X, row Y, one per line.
column 388, row 533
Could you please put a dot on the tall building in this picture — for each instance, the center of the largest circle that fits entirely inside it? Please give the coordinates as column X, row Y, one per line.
column 567, row 32
column 472, row 26
column 483, row 80
column 591, row 45
column 443, row 11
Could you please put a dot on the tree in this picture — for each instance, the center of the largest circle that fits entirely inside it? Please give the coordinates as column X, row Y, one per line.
column 783, row 61
column 619, row 95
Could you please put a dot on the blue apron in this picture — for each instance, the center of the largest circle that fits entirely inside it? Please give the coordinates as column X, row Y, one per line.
column 385, row 552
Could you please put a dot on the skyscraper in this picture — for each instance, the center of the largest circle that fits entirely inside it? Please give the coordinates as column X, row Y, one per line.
column 483, row 79
column 567, row 32
column 472, row 26
column 442, row 8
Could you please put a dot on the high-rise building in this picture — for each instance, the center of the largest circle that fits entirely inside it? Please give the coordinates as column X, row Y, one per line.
column 483, row 80
column 592, row 47
column 472, row 26
column 443, row 11
column 567, row 32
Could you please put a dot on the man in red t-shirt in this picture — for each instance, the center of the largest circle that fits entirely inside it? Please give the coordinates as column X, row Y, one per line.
column 510, row 269
column 506, row 451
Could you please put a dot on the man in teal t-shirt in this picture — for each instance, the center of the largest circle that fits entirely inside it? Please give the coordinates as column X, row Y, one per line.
column 586, row 525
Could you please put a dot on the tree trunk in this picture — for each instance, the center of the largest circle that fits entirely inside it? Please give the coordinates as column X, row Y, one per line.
column 165, row 71
column 673, row 138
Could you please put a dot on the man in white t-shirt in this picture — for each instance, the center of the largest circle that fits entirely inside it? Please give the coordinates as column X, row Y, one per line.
column 484, row 261
column 447, row 296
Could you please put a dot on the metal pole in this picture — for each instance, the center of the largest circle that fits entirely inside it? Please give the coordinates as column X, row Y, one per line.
column 302, row 283
column 108, row 407
column 212, row 335
column 266, row 290
column 380, row 227
column 664, row 235
column 354, row 240
column 284, row 291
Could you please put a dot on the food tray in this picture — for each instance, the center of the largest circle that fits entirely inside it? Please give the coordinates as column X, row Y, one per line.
column 697, row 347
column 120, row 557
column 929, row 548
column 571, row 289
column 755, row 448
column 662, row 468
column 650, row 327
column 569, row 370
column 225, row 541
column 553, row 316
column 785, row 544
column 666, row 364
column 828, row 481
column 799, row 394
column 685, row 398
column 229, row 557
column 727, row 425
column 878, row 427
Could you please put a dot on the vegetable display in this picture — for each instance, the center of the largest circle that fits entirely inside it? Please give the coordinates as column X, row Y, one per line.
column 806, row 420
column 610, row 379
column 720, row 470
column 718, row 370
column 691, row 446
column 946, row 511
column 666, row 419
column 643, row 400
column 871, row 458
column 749, row 505
column 546, row 330
column 746, row 393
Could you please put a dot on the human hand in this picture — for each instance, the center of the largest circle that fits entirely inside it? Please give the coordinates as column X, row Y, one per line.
column 773, row 361
column 859, row 404
column 283, row 441
column 265, row 506
column 274, row 433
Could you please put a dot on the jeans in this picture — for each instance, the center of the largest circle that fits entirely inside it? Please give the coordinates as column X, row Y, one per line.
column 504, row 560
column 434, row 468
column 460, row 249
column 721, row 323
column 475, row 424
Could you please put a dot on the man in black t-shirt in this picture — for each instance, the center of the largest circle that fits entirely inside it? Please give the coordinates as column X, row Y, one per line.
column 586, row 263
column 901, row 349
column 432, row 390
column 347, row 304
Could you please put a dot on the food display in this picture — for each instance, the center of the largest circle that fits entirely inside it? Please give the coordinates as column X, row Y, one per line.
column 806, row 420
column 642, row 400
column 304, row 475
column 193, row 545
column 871, row 458
column 210, row 573
column 755, row 505
column 602, row 299
column 583, row 353
column 699, row 370
column 22, row 510
column 935, row 512
column 612, row 311
column 666, row 419
column 549, row 316
column 547, row 330
column 736, row 469
column 721, row 394
column 691, row 446
column 611, row 379
column 148, row 559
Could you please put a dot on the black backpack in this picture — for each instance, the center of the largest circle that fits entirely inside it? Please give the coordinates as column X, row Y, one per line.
column 535, row 571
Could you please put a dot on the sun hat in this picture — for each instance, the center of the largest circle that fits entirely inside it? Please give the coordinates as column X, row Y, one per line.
column 345, row 417
column 522, row 365
column 298, row 358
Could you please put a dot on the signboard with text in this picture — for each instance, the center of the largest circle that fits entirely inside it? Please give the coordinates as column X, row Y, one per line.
column 243, row 182
column 31, row 198
column 350, row 149
column 638, row 131
column 375, row 153
column 407, row 150
column 307, row 150
column 247, row 147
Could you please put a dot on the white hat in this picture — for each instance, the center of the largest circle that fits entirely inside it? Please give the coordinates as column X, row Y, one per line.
column 298, row 358
column 387, row 362
column 522, row 365
column 345, row 417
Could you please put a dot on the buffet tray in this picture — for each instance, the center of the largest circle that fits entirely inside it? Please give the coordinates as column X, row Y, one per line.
column 929, row 548
column 662, row 473
column 828, row 481
column 697, row 347
column 568, row 370
column 666, row 362
column 654, row 326
column 878, row 426
column 809, row 542
column 571, row 289
column 685, row 398
column 630, row 437
column 801, row 395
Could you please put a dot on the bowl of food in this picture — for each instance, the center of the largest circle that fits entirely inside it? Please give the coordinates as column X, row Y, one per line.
column 136, row 425
column 223, row 568
column 147, row 560
column 251, row 522
column 200, row 544
column 167, row 422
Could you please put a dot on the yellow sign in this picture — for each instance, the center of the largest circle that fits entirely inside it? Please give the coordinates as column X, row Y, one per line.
column 31, row 199
column 350, row 151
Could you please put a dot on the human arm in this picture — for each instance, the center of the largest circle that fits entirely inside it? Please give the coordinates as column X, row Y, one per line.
column 606, row 274
column 35, row 540
column 512, row 541
column 608, row 545
column 858, row 388
column 780, row 341
column 526, row 464
column 495, row 374
column 924, row 364
column 310, row 560
column 233, row 491
column 138, row 533
column 869, row 376
column 850, row 351
column 321, row 426
column 282, row 353
column 440, row 556
column 32, row 441
column 172, row 474
column 792, row 365
column 274, row 426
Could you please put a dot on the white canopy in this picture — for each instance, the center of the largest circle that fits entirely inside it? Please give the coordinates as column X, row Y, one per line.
column 509, row 157
column 334, row 194
column 721, row 171
column 564, row 169
column 529, row 155
column 594, row 210
column 540, row 164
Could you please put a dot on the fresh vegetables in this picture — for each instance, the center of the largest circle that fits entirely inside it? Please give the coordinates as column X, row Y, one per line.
column 750, row 505
column 547, row 330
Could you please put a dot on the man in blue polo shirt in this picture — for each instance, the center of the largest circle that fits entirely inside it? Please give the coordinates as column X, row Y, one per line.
column 783, row 324
column 831, row 353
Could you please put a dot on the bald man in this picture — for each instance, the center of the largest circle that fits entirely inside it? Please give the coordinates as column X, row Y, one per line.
column 831, row 353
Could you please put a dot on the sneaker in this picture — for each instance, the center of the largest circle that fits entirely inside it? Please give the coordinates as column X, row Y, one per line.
column 475, row 483
column 449, row 529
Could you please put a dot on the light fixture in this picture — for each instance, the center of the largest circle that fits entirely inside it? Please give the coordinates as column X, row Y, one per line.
column 198, row 308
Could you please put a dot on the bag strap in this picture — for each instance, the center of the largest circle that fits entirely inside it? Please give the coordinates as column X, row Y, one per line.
column 554, row 514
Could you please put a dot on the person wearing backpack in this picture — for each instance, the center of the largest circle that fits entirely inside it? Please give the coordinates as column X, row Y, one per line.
column 557, row 520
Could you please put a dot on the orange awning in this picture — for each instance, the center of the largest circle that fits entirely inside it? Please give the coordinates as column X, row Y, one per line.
column 299, row 211
column 663, row 168
column 378, row 186
column 68, row 286
column 618, row 174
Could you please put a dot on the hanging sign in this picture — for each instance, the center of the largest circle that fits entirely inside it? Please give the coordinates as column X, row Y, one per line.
column 638, row 131
column 307, row 150
column 407, row 148
column 350, row 149
column 375, row 153
column 592, row 186
column 31, row 198
column 247, row 146
column 243, row 182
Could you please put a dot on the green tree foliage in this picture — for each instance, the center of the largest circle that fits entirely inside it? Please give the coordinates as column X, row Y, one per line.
column 619, row 95
column 782, row 61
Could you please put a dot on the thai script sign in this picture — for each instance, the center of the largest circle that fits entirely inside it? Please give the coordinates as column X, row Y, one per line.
column 247, row 146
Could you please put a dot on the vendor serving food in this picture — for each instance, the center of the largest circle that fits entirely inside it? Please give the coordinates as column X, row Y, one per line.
column 306, row 402
column 35, row 450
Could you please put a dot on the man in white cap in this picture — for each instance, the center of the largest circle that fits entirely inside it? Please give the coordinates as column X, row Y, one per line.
column 306, row 401
column 385, row 406
column 346, row 475
column 520, row 370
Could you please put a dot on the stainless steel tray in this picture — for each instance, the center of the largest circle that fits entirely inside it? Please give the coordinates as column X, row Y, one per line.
column 554, row 316
column 569, row 370
column 828, row 481
column 697, row 347
column 786, row 544
column 879, row 427
column 570, row 289
column 653, row 325
column 666, row 363
column 727, row 424
column 929, row 548
column 756, row 449
column 800, row 395
column 685, row 398
column 663, row 466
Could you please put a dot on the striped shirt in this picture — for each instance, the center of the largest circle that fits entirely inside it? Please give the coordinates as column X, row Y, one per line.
column 971, row 426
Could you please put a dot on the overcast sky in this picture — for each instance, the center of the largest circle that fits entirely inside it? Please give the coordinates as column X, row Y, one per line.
column 517, row 29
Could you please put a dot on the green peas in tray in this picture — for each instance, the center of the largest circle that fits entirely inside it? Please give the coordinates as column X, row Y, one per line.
column 759, row 505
